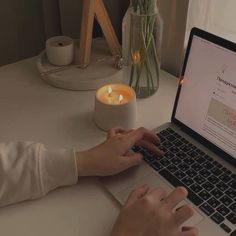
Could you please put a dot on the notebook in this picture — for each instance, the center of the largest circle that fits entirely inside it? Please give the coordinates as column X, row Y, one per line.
column 200, row 141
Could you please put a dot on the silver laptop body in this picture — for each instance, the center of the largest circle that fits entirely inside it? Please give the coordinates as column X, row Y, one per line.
column 199, row 142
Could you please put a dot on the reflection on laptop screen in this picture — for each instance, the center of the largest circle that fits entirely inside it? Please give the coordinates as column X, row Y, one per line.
column 207, row 102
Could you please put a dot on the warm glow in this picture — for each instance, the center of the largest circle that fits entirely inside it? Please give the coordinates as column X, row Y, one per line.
column 136, row 57
column 115, row 94
column 121, row 98
column 109, row 91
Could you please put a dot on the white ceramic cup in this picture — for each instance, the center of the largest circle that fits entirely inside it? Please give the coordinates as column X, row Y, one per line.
column 60, row 50
column 113, row 113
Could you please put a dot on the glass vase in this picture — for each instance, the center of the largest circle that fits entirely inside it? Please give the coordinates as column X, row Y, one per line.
column 145, row 54
column 145, row 36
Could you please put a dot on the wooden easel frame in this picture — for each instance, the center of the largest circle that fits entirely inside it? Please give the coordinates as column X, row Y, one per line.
column 91, row 9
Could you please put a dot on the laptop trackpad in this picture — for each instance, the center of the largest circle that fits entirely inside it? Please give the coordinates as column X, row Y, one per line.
column 153, row 182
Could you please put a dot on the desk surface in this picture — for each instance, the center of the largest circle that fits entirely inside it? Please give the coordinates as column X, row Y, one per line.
column 32, row 110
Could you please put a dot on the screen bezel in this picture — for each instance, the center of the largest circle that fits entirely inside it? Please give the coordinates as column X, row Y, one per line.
column 221, row 42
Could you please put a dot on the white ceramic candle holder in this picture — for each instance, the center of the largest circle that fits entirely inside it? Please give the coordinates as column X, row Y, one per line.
column 115, row 105
column 60, row 50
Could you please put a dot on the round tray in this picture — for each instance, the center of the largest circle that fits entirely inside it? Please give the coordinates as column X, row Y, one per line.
column 100, row 71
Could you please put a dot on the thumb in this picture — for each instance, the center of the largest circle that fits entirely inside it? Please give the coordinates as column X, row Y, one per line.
column 136, row 194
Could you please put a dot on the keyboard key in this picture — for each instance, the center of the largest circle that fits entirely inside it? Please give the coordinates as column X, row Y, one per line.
column 172, row 168
column 213, row 202
column 165, row 162
column 196, row 167
column 205, row 173
column 164, row 133
column 233, row 233
column 185, row 148
column 200, row 159
column 226, row 200
column 231, row 193
column 233, row 207
column 208, row 210
column 232, row 184
column 204, row 195
column 212, row 179
column 188, row 161
column 181, row 155
column 222, row 186
column 192, row 154
column 176, row 161
column 162, row 138
column 187, row 181
column 208, row 165
column 183, row 166
column 169, row 155
column 208, row 186
column 174, row 149
column 178, row 143
column 179, row 174
column 196, row 188
column 217, row 217
column 225, row 228
column 231, row 217
column 171, row 131
column 175, row 182
column 200, row 152
column 227, row 172
column 225, row 178
column 163, row 148
column 199, row 179
column 184, row 140
column 216, row 193
column 216, row 171
column 191, row 173
column 167, row 144
column 157, row 166
column 223, row 210
column 171, row 138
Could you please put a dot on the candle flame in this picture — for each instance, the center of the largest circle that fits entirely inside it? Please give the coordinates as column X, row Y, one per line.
column 109, row 90
column 121, row 98
column 136, row 57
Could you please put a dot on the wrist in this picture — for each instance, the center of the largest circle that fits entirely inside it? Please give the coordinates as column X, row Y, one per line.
column 81, row 163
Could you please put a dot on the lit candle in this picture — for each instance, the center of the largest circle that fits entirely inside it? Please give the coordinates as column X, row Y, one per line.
column 115, row 105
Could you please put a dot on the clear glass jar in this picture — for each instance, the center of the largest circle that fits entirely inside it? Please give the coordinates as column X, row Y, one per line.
column 144, row 46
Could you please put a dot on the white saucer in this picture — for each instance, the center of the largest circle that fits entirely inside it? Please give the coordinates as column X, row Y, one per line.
column 100, row 71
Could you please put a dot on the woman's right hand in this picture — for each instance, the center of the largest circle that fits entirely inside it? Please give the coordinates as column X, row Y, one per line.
column 153, row 214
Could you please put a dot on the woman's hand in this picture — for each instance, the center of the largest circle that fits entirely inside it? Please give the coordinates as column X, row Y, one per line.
column 114, row 155
column 152, row 214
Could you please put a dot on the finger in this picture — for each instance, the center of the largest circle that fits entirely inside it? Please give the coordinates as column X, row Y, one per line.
column 183, row 214
column 142, row 133
column 136, row 194
column 113, row 131
column 117, row 130
column 176, row 196
column 158, row 194
column 132, row 159
column 189, row 231
column 151, row 147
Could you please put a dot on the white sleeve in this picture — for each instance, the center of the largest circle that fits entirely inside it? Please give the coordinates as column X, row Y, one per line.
column 28, row 170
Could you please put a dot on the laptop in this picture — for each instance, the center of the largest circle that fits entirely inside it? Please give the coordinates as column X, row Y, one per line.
column 200, row 141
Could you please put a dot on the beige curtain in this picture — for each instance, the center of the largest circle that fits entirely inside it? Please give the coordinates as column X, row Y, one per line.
column 215, row 16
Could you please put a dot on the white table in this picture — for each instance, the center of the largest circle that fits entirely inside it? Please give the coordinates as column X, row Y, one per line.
column 32, row 110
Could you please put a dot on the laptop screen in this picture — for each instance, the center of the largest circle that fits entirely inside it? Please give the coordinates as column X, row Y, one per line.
column 207, row 99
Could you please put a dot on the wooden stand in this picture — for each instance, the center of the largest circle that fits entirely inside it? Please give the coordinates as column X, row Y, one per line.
column 95, row 8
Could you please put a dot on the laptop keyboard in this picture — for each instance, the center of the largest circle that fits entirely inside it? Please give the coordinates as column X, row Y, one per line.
column 211, row 186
